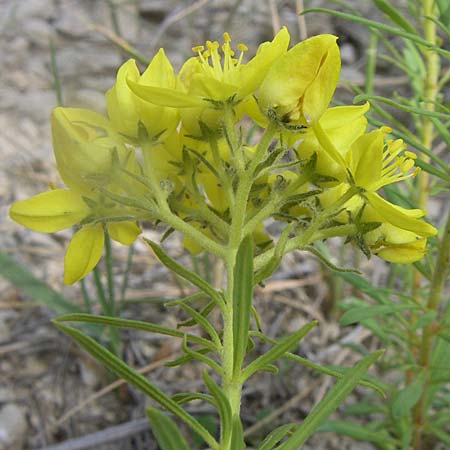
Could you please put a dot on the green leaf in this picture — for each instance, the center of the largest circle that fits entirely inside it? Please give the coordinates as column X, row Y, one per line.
column 277, row 350
column 203, row 322
column 223, row 407
column 359, row 314
column 410, row 109
column 200, row 356
column 23, row 279
column 392, row 12
column 376, row 385
column 360, row 432
column 380, row 26
column 315, row 251
column 134, row 324
column 185, row 397
column 431, row 169
column 165, row 431
column 242, row 301
column 444, row 12
column 275, row 436
column 185, row 273
column 441, row 434
column 137, row 380
column 335, row 396
column 424, row 320
column 237, row 437
column 406, row 398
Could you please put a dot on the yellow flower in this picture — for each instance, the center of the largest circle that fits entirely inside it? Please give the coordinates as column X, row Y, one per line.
column 127, row 111
column 343, row 125
column 60, row 208
column 215, row 74
column 84, row 144
column 300, row 84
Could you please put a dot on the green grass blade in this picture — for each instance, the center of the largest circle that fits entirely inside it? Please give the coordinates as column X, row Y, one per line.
column 361, row 313
column 335, row 396
column 116, row 365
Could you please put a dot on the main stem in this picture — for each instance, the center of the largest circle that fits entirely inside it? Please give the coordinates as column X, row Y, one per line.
column 431, row 91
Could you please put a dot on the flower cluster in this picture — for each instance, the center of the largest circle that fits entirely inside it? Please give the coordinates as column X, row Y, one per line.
column 181, row 149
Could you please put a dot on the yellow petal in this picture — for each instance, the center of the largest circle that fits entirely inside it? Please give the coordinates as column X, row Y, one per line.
column 165, row 96
column 252, row 73
column 83, row 252
column 400, row 217
column 123, row 232
column 403, row 253
column 50, row 211
column 159, row 72
column 292, row 75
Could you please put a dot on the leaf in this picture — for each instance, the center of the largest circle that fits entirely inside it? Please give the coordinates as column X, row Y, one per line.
column 223, row 407
column 441, row 434
column 360, row 432
column 392, row 12
column 380, row 26
column 277, row 350
column 335, row 396
column 242, row 301
column 410, row 109
column 406, row 398
column 185, row 273
column 202, row 322
column 185, row 397
column 431, row 169
column 165, row 431
column 444, row 10
column 237, row 437
column 24, row 280
column 135, row 324
column 275, row 436
column 137, row 380
column 359, row 314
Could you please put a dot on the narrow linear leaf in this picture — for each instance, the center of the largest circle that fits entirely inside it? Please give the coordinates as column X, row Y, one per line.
column 379, row 26
column 137, row 380
column 185, row 273
column 24, row 280
column 237, row 436
column 275, row 436
column 201, row 357
column 376, row 385
column 392, row 12
column 185, row 397
column 410, row 109
column 277, row 350
column 360, row 432
column 223, row 407
column 315, row 251
column 242, row 301
column 165, row 431
column 335, row 396
column 440, row 433
column 185, row 358
column 204, row 312
column 431, row 169
column 407, row 397
column 203, row 323
column 134, row 324
column 361, row 313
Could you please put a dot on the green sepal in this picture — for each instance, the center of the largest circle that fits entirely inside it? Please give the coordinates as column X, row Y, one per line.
column 275, row 436
column 242, row 301
column 116, row 365
column 165, row 431
column 277, row 350
column 335, row 396
column 223, row 407
column 187, row 274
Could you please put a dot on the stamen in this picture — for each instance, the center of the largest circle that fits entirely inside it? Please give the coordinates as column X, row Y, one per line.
column 226, row 37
